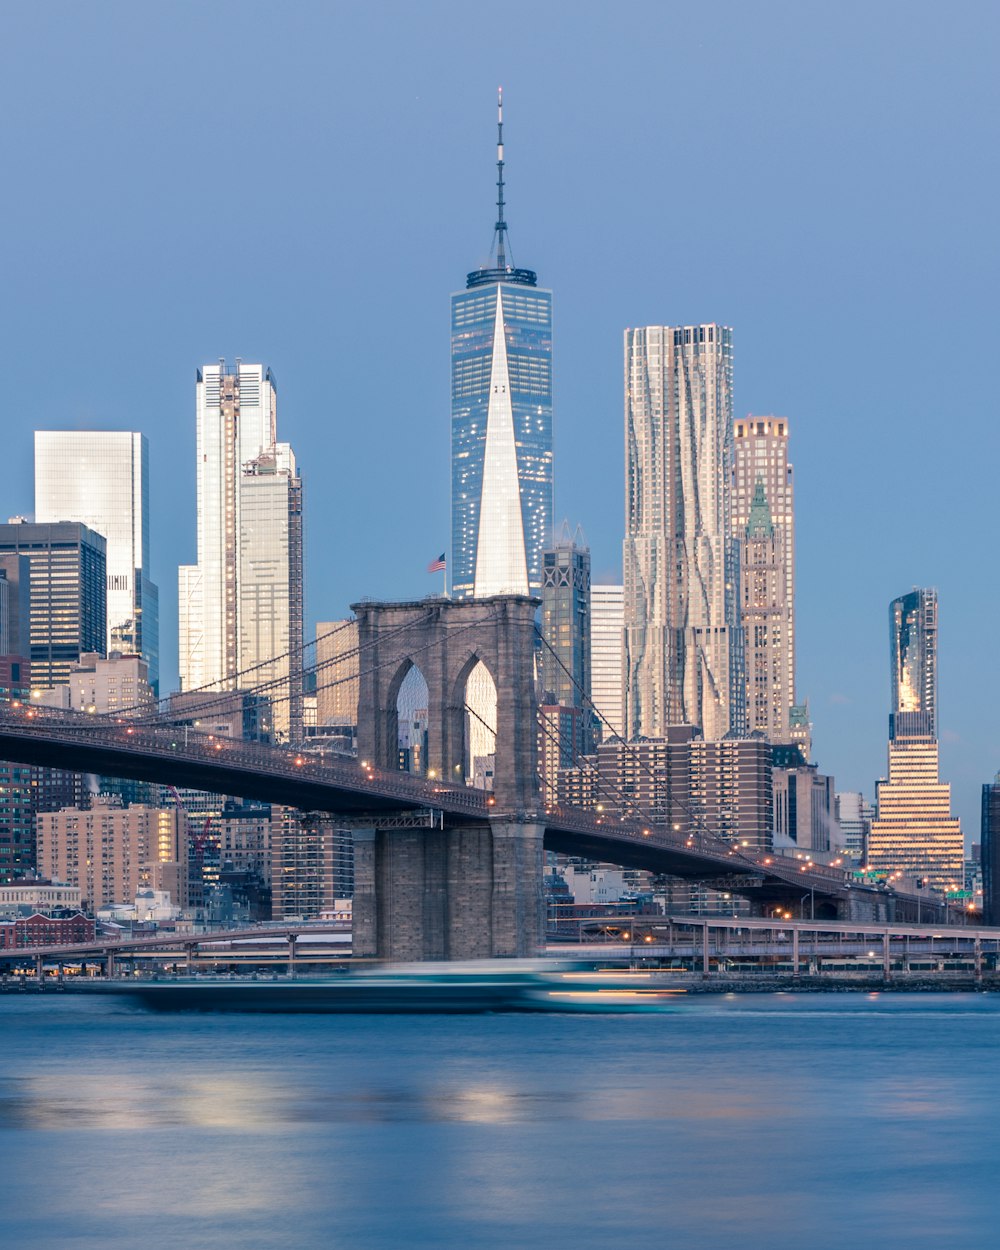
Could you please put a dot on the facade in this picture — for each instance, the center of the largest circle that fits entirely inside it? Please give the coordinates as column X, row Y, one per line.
column 241, row 605
column 989, row 851
column 101, row 477
column 914, row 832
column 913, row 641
column 565, row 665
column 68, row 606
column 312, row 863
column 607, row 623
column 43, row 897
column 39, row 930
column 337, row 676
column 501, row 424
column 805, row 808
column 764, row 524
column 683, row 642
column 717, row 789
column 116, row 684
column 15, row 606
column 111, row 852
column 854, row 816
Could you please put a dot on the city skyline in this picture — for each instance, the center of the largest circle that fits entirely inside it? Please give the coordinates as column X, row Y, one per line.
column 788, row 273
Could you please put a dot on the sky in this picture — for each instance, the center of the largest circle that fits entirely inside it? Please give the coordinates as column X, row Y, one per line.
column 306, row 184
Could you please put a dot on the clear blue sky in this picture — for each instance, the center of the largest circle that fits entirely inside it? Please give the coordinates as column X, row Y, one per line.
column 305, row 184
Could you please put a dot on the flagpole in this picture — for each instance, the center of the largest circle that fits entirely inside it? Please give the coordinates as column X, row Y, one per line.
column 444, row 578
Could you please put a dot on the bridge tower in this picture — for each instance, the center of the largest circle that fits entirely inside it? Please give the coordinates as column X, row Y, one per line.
column 468, row 888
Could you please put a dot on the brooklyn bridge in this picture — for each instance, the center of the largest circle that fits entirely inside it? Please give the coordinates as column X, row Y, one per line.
column 443, row 870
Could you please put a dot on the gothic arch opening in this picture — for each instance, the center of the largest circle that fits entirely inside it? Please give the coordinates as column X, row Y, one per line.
column 412, row 722
column 479, row 698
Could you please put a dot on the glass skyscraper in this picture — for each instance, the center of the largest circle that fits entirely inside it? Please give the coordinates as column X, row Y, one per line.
column 101, row 478
column 240, row 606
column 501, row 424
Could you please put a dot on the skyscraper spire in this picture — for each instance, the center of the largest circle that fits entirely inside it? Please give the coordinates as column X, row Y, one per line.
column 501, row 227
column 503, row 270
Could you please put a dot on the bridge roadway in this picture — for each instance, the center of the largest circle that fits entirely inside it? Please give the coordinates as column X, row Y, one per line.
column 327, row 782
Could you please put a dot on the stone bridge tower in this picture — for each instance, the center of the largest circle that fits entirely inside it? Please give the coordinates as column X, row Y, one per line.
column 473, row 888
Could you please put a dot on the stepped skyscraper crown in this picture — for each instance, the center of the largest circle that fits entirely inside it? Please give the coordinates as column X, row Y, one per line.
column 501, row 420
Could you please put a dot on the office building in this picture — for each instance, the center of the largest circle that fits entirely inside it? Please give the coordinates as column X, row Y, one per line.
column 607, row 623
column 718, row 789
column 68, row 605
column 854, row 816
column 312, row 863
column 913, row 641
column 15, row 607
column 337, row 677
column 111, row 852
column 101, row 478
column 989, row 851
column 241, row 605
column 119, row 683
column 683, row 641
column 564, row 660
column 914, row 832
column 501, row 423
column 804, row 809
column 764, row 526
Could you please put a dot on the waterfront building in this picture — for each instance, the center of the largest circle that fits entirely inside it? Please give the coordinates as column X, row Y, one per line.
column 111, row 852
column 501, row 422
column 607, row 622
column 989, row 851
column 312, row 863
column 854, row 816
column 31, row 896
column 101, row 478
column 241, row 605
column 683, row 641
column 764, row 524
column 914, row 832
column 67, row 604
column 40, row 930
column 805, row 807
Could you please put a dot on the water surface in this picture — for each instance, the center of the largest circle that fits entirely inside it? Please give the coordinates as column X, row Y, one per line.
column 817, row 1122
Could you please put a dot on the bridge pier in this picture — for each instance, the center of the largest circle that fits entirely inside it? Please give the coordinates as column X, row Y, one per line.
column 467, row 892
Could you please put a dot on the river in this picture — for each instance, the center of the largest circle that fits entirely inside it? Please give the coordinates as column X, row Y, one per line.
column 818, row 1122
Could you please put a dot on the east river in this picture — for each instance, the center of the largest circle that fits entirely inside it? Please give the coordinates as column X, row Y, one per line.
column 778, row 1121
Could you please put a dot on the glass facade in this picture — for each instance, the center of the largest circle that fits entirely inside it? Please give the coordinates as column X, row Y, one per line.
column 501, row 441
column 683, row 640
column 67, row 600
column 101, row 477
column 241, row 605
column 913, row 664
column 607, row 620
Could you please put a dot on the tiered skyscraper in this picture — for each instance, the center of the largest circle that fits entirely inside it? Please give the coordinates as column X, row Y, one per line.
column 914, row 831
column 241, row 604
column 764, row 527
column 683, row 643
column 101, row 477
column 501, row 422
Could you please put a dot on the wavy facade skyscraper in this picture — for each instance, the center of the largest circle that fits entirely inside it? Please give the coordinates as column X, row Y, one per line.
column 683, row 640
column 501, row 423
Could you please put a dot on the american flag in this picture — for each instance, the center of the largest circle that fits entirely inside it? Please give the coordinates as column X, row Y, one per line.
column 438, row 565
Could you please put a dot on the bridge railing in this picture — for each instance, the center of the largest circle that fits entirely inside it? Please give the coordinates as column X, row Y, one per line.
column 185, row 744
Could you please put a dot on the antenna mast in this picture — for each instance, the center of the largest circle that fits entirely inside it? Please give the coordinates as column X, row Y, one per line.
column 501, row 224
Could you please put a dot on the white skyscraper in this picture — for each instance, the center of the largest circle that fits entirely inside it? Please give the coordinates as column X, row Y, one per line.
column 101, row 478
column 607, row 620
column 241, row 604
column 683, row 642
